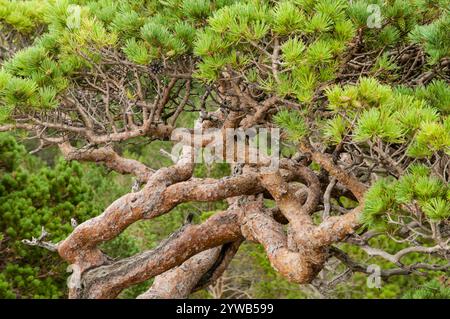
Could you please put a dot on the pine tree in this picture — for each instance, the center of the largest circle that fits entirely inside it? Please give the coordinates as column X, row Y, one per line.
column 360, row 91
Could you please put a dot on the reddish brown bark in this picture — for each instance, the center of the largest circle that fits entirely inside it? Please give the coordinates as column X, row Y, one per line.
column 298, row 256
column 110, row 158
column 356, row 187
column 108, row 280
column 180, row 281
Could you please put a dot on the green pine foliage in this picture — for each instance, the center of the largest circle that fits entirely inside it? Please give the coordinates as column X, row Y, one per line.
column 23, row 16
column 312, row 35
column 76, row 30
column 435, row 289
column 418, row 187
column 397, row 19
column 293, row 123
column 437, row 95
column 31, row 196
column 371, row 111
column 434, row 38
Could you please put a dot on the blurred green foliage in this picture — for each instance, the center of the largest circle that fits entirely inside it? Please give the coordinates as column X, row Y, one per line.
column 33, row 195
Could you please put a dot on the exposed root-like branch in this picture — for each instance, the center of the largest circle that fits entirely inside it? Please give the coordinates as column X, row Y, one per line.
column 226, row 255
column 81, row 245
column 40, row 241
column 385, row 273
column 299, row 267
column 356, row 187
column 107, row 281
column 110, row 158
column 178, row 282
